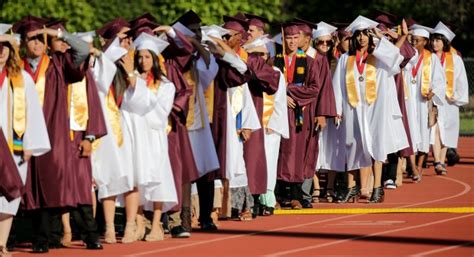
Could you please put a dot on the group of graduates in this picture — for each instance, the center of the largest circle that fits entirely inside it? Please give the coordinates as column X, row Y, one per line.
column 185, row 120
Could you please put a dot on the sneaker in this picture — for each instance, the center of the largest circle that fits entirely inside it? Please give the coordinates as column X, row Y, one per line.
column 179, row 232
column 390, row 184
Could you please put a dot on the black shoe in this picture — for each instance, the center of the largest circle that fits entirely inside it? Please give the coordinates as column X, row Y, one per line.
column 179, row 232
column 40, row 248
column 208, row 226
column 306, row 204
column 94, row 246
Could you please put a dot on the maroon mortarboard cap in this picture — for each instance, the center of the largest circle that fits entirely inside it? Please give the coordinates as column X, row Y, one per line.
column 141, row 18
column 142, row 26
column 27, row 24
column 388, row 19
column 189, row 18
column 257, row 21
column 112, row 28
column 411, row 22
column 236, row 24
column 56, row 24
column 306, row 26
column 241, row 16
column 291, row 28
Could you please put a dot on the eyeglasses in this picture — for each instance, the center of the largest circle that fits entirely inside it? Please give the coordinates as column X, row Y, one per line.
column 228, row 36
column 326, row 42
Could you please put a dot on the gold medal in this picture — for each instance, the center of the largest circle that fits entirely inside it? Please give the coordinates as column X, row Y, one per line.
column 361, row 78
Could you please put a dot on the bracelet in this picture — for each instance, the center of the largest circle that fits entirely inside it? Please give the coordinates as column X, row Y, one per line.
column 60, row 33
column 131, row 74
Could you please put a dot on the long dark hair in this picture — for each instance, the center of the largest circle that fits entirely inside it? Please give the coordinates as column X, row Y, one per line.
column 354, row 44
column 446, row 43
column 120, row 82
column 155, row 70
column 12, row 64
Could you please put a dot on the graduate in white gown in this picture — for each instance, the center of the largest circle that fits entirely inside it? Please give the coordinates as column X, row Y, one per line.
column 21, row 120
column 425, row 79
column 371, row 115
column 445, row 133
column 331, row 156
column 158, row 192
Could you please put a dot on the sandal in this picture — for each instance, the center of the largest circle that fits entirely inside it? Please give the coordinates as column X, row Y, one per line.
column 130, row 234
column 330, row 196
column 109, row 236
column 156, row 235
column 315, row 196
column 245, row 216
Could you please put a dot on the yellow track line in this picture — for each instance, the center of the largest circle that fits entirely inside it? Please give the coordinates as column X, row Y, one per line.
column 376, row 210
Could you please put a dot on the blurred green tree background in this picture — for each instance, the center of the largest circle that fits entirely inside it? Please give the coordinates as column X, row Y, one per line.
column 84, row 15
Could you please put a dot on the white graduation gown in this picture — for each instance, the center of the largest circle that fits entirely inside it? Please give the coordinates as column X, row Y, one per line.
column 160, row 187
column 112, row 165
column 417, row 105
column 449, row 112
column 278, row 122
column 332, row 141
column 35, row 138
column 370, row 129
column 200, row 135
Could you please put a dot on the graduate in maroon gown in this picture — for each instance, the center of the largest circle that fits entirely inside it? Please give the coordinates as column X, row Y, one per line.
column 263, row 83
column 60, row 178
column 303, row 75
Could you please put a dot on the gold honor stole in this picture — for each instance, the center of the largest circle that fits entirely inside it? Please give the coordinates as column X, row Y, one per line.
column 426, row 76
column 113, row 115
column 449, row 60
column 77, row 92
column 209, row 99
column 370, row 84
column 192, row 83
column 19, row 111
column 40, row 77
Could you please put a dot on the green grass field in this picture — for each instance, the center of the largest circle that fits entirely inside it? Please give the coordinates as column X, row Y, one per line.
column 467, row 125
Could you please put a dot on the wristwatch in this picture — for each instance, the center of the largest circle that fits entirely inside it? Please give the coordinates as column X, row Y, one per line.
column 90, row 138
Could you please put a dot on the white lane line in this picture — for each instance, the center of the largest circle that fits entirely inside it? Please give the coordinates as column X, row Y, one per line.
column 467, row 188
column 312, row 247
column 444, row 249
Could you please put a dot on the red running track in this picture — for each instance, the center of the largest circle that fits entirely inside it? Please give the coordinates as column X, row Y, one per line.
column 416, row 234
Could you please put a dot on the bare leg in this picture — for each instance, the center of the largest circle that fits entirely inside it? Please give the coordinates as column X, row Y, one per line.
column 140, row 232
column 6, row 221
column 67, row 233
column 351, row 178
column 156, row 233
column 108, row 205
column 364, row 181
column 437, row 146
column 131, row 207
column 401, row 167
column 377, row 174
column 421, row 159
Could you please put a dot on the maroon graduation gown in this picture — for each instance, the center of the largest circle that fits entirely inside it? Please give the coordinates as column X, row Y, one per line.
column 11, row 185
column 54, row 177
column 177, row 62
column 298, row 154
column 263, row 79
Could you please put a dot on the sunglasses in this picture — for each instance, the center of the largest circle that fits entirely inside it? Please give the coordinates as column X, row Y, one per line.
column 38, row 37
column 326, row 42
column 228, row 36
